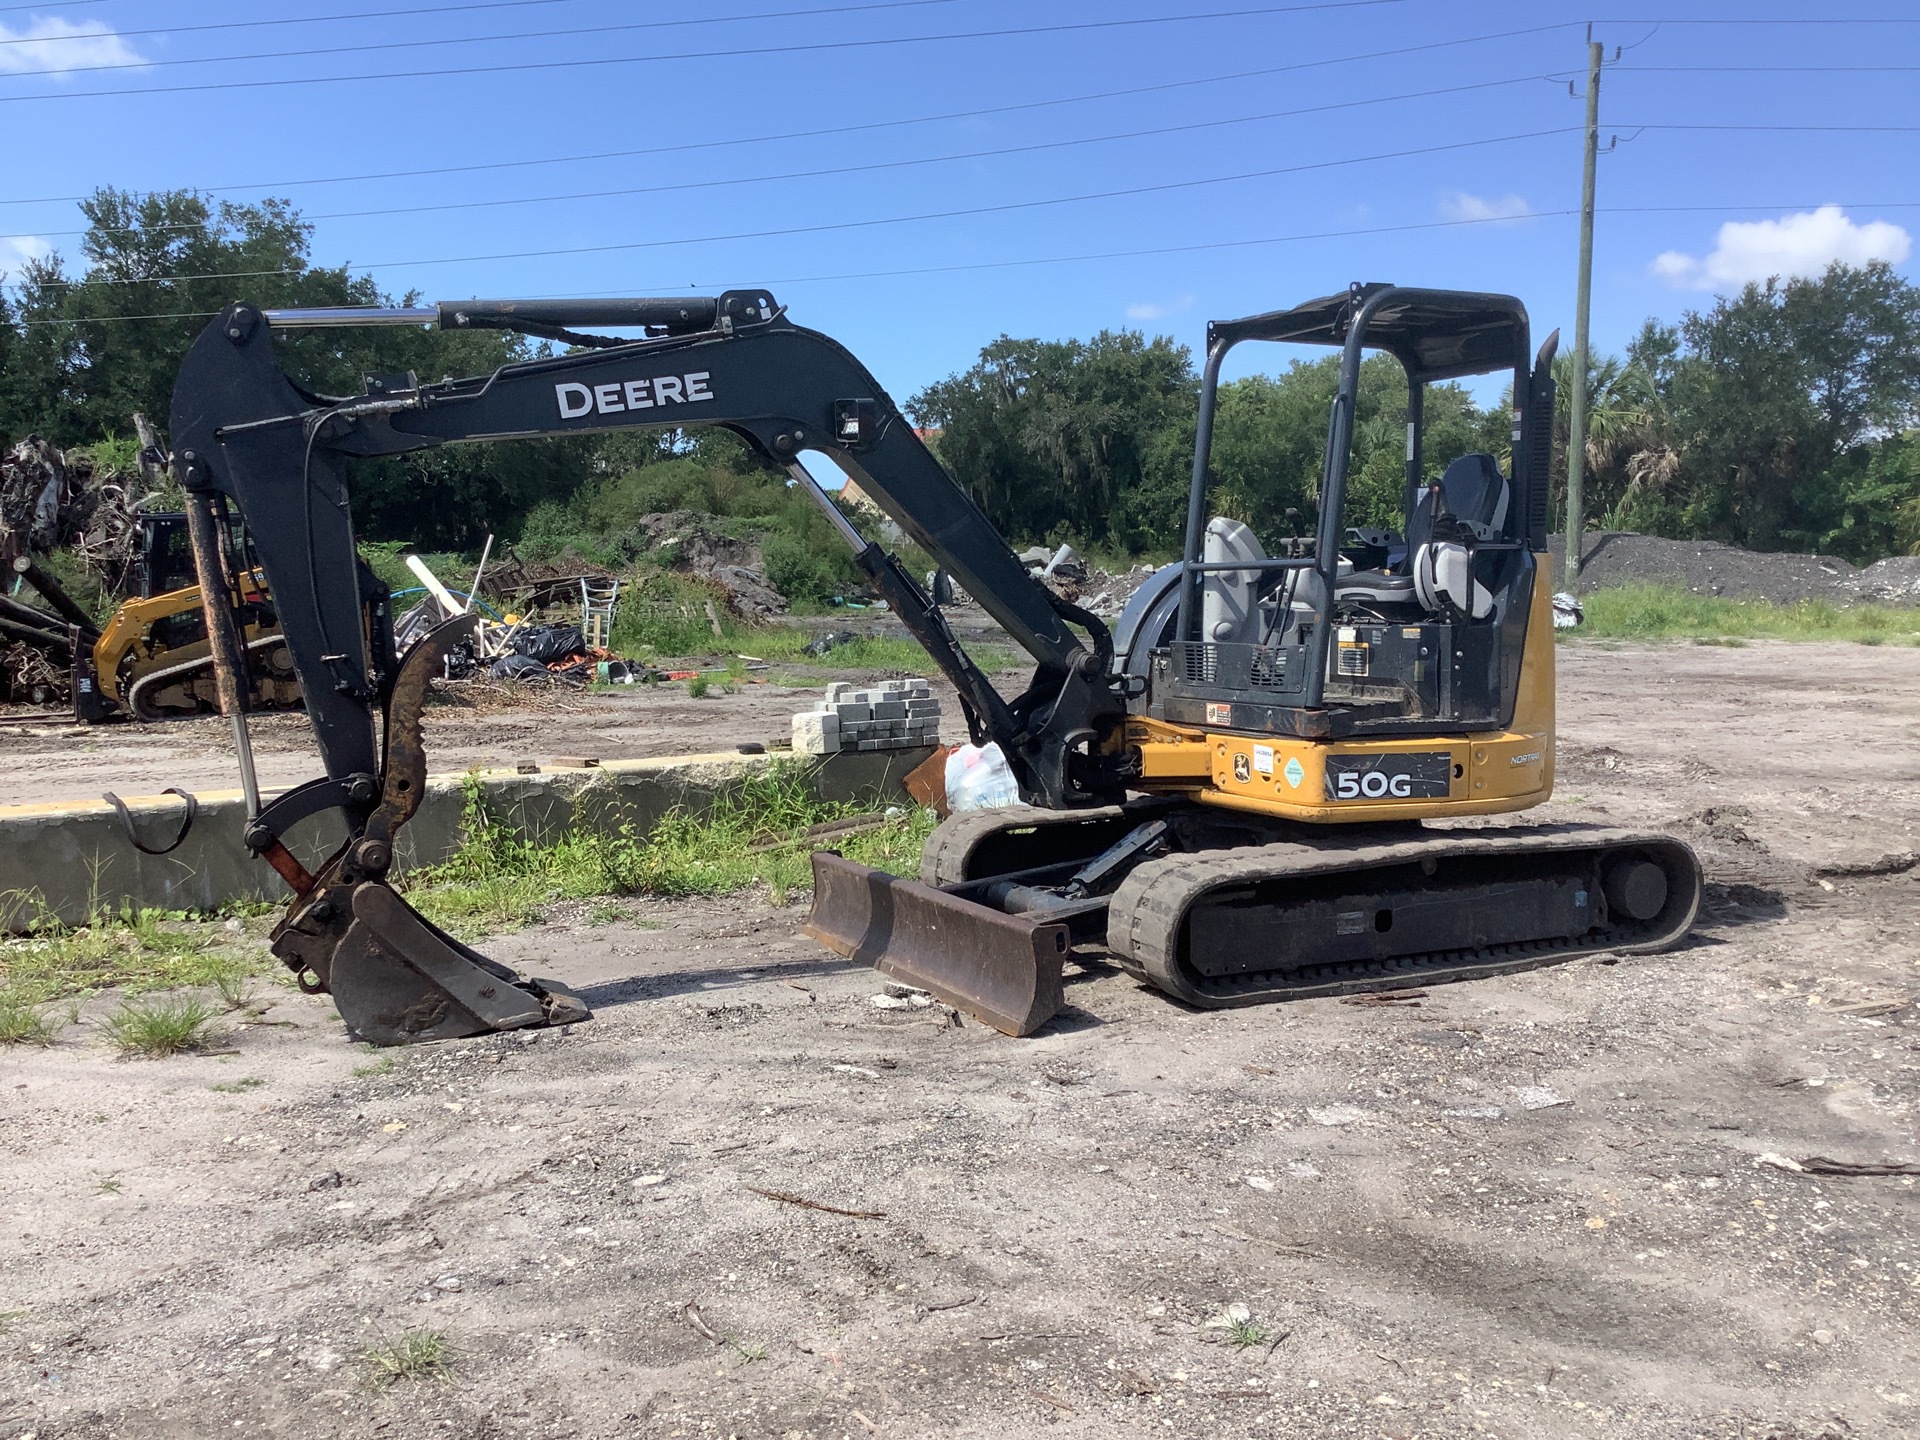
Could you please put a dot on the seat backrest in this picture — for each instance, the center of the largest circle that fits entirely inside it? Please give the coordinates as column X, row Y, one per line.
column 1227, row 597
column 1476, row 493
column 1471, row 491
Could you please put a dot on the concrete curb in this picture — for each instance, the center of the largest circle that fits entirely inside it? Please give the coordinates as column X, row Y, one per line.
column 63, row 861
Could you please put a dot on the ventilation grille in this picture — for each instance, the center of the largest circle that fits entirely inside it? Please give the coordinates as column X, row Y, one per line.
column 1268, row 669
column 1199, row 663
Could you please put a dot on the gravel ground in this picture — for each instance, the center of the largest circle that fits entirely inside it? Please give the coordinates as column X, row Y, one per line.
column 1544, row 1206
column 1707, row 567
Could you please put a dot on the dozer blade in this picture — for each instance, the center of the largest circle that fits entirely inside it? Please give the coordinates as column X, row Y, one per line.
column 395, row 978
column 1004, row 970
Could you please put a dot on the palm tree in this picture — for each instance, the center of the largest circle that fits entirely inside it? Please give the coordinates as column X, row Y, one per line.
column 1627, row 451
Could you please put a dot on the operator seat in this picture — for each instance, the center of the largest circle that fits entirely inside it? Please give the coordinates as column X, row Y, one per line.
column 1473, row 493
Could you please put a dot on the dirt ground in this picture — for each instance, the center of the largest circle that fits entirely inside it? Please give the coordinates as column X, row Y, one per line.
column 1542, row 1206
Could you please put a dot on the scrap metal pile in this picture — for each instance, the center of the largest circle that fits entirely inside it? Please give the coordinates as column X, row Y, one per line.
column 51, row 500
column 525, row 649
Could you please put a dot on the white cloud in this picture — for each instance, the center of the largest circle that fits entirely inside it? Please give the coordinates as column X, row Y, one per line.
column 53, row 47
column 15, row 251
column 1796, row 245
column 1157, row 309
column 1459, row 205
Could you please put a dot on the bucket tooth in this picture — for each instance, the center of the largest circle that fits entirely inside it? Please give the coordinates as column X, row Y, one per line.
column 1004, row 970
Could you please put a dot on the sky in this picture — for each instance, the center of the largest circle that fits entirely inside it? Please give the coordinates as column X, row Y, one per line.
column 916, row 179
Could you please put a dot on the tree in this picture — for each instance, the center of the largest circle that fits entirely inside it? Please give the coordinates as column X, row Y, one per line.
column 1777, row 398
column 1630, row 459
column 1270, row 438
column 90, row 350
column 1071, row 438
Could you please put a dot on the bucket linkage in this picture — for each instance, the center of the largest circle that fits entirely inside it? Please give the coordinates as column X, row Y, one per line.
column 395, row 977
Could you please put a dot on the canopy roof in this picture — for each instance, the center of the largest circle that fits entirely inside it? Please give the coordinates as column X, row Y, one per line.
column 1435, row 334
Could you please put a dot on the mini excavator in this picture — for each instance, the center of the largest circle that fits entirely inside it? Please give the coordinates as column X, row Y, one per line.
column 1229, row 794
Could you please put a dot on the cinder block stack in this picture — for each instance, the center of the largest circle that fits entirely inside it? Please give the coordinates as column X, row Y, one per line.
column 892, row 715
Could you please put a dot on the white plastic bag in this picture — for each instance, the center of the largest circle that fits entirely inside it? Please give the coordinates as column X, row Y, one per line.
column 978, row 779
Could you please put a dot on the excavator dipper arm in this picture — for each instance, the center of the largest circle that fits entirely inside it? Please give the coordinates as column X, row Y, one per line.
column 247, row 435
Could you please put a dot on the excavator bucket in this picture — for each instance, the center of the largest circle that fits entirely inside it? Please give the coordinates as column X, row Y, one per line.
column 1004, row 970
column 395, row 978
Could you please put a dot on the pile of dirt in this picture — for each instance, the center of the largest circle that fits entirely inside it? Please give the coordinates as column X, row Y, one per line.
column 1708, row 567
column 687, row 541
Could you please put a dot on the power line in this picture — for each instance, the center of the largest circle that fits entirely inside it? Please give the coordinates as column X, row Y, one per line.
column 49, row 5
column 797, row 48
column 1834, row 21
column 1812, row 129
column 289, row 20
column 734, row 181
column 849, row 129
column 1164, row 187
column 1771, row 69
column 444, row 40
column 1110, row 254
column 973, row 265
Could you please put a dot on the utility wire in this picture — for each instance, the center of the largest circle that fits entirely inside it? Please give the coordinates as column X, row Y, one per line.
column 795, row 48
column 1834, row 21
column 446, row 40
column 1770, row 69
column 727, row 183
column 838, row 226
column 1108, row 254
column 845, row 129
column 1813, row 129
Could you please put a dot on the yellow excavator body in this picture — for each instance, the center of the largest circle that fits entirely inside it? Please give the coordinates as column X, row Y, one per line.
column 1490, row 772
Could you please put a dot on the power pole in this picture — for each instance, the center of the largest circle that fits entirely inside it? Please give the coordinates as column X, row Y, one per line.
column 1577, row 432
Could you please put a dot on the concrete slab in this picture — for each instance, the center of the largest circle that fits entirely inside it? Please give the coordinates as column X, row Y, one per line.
column 65, row 861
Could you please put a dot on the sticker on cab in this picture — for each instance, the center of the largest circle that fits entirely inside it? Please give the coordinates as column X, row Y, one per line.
column 1263, row 759
column 1294, row 771
column 1218, row 714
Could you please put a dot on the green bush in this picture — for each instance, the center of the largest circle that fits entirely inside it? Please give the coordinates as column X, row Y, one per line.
column 801, row 571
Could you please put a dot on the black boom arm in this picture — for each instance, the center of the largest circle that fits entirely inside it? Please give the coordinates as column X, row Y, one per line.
column 243, row 430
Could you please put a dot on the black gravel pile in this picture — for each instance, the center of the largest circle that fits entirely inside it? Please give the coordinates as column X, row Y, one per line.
column 1707, row 567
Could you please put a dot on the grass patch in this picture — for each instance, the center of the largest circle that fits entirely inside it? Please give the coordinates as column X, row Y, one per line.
column 666, row 616
column 415, row 1355
column 1245, row 1334
column 238, row 1087
column 752, row 835
column 788, row 645
column 1666, row 612
column 25, row 1018
column 159, row 1028
column 137, row 950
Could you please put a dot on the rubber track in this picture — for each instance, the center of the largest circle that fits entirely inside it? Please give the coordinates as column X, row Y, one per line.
column 944, row 860
column 168, row 674
column 1150, row 907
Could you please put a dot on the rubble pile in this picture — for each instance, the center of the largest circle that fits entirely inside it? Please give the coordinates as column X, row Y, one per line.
column 892, row 715
column 684, row 541
column 50, row 500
